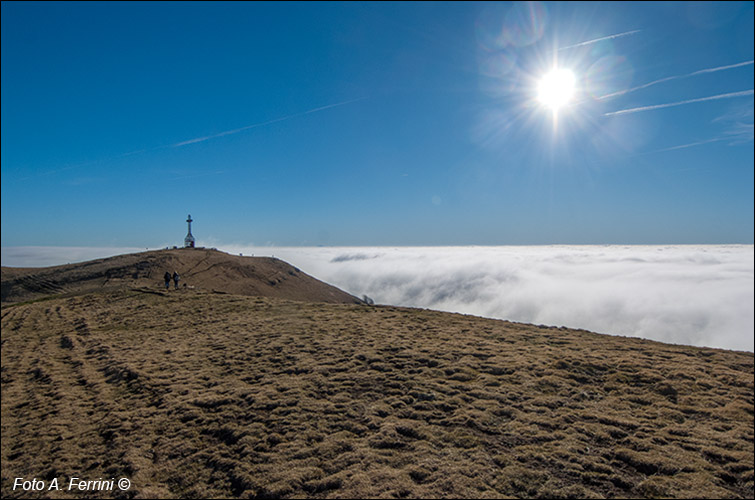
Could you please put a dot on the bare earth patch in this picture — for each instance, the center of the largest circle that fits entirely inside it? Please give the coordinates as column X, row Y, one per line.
column 198, row 394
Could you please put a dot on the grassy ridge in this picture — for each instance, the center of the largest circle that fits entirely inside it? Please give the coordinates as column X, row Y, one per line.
column 199, row 268
column 196, row 394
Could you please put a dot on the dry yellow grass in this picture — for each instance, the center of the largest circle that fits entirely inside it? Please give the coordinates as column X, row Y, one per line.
column 200, row 268
column 195, row 394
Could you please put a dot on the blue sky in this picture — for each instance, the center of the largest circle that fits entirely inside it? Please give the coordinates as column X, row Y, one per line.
column 375, row 123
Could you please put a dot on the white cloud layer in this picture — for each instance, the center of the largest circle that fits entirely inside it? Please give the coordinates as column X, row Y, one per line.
column 694, row 295
column 42, row 256
column 685, row 294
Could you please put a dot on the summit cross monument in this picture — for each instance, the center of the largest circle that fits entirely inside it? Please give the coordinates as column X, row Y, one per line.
column 189, row 240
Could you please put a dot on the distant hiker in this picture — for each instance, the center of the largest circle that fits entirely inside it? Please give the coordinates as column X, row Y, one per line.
column 167, row 280
column 176, row 277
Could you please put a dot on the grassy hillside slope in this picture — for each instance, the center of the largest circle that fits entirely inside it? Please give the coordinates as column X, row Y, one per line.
column 194, row 394
column 199, row 268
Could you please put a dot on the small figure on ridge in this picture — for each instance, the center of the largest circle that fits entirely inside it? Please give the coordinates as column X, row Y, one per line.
column 176, row 277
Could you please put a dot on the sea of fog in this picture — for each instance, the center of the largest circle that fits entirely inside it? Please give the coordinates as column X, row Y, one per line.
column 684, row 294
column 695, row 295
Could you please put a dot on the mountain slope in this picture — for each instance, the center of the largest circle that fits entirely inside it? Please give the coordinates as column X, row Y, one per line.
column 197, row 394
column 198, row 268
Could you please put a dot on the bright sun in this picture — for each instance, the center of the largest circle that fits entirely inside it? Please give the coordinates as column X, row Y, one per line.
column 556, row 88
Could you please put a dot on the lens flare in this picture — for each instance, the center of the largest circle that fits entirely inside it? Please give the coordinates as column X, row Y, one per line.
column 556, row 88
column 607, row 76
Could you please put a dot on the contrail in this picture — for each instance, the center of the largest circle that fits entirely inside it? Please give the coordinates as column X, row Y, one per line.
column 86, row 163
column 690, row 145
column 268, row 122
column 193, row 141
column 609, row 37
column 677, row 77
column 688, row 101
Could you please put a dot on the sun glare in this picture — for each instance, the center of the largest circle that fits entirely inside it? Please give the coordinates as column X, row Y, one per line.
column 556, row 88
